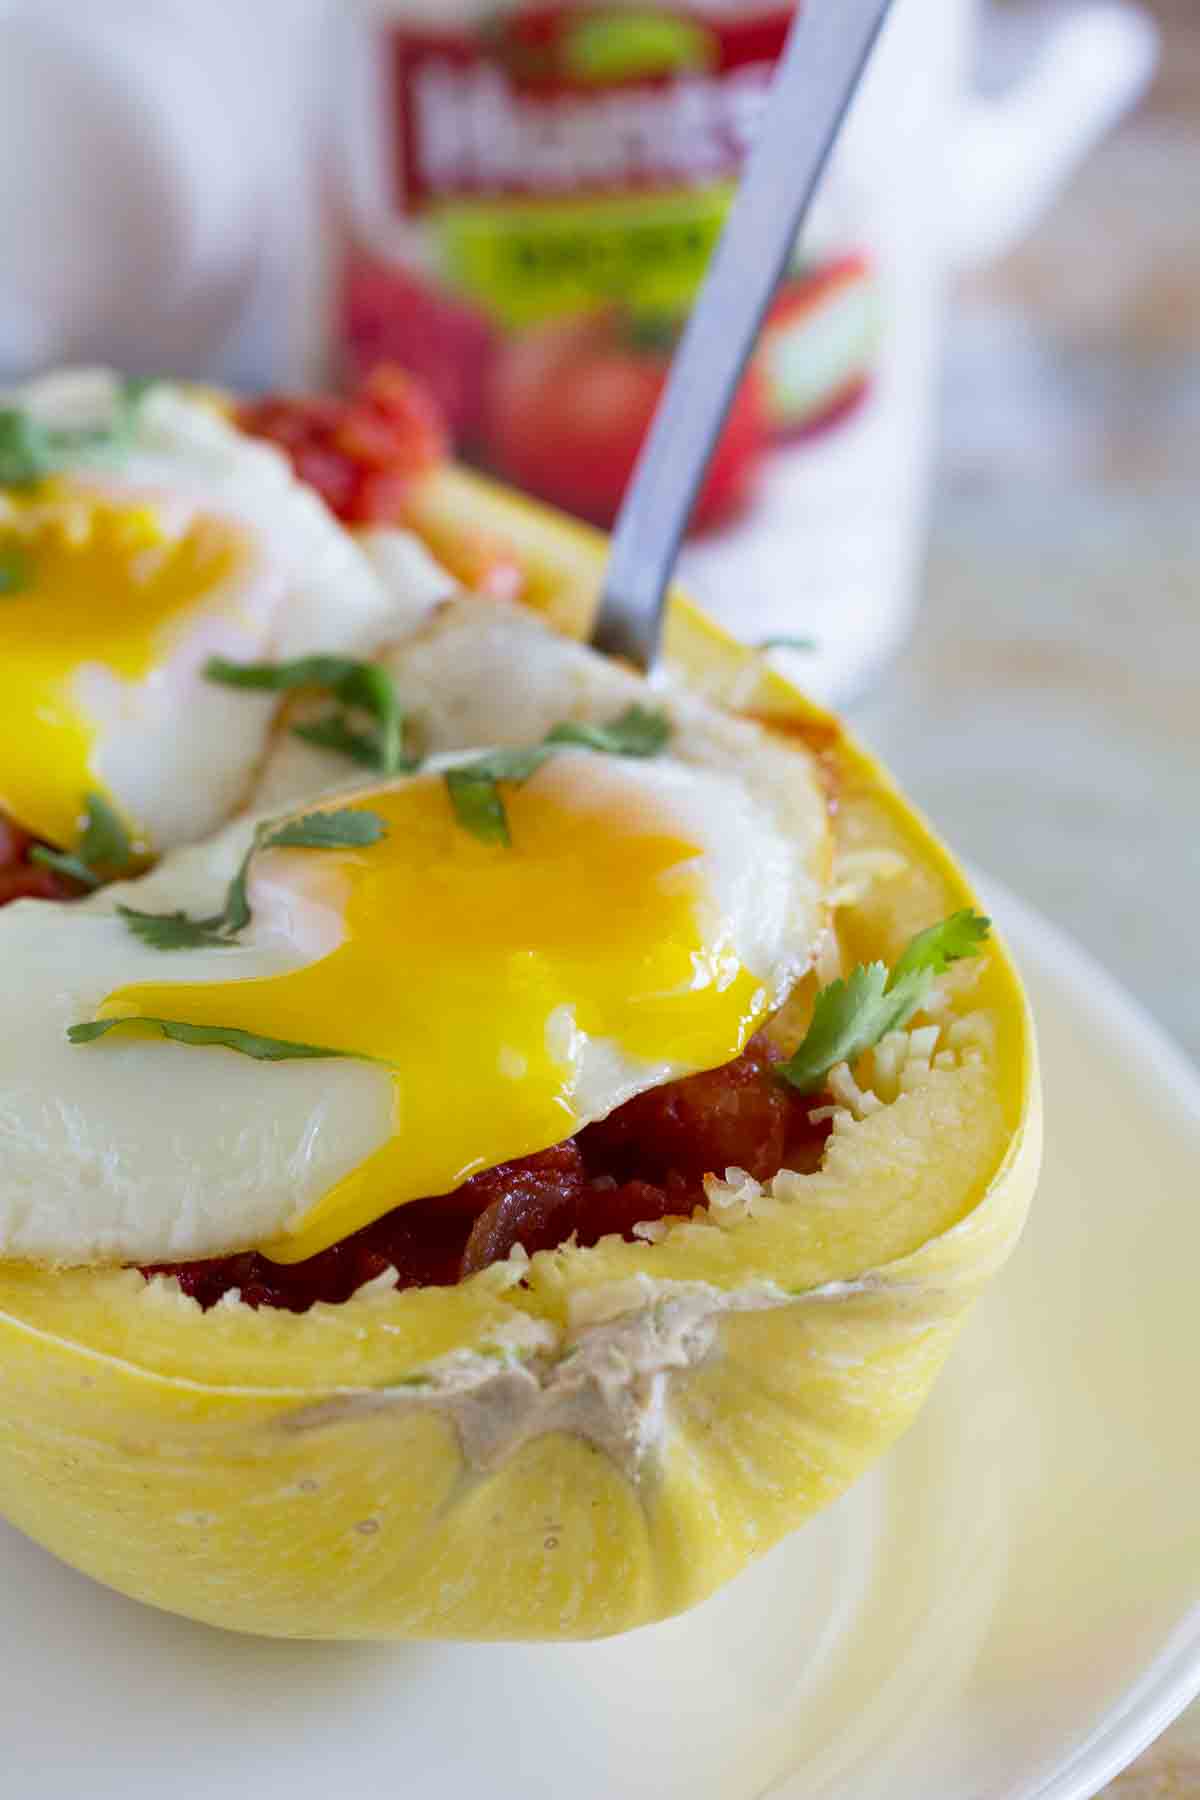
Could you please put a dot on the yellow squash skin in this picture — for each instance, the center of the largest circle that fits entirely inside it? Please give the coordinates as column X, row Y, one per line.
column 598, row 1448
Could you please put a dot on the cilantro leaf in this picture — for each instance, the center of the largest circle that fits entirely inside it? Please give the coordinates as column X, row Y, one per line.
column 30, row 450
column 104, row 848
column 174, row 931
column 638, row 731
column 281, row 678
column 478, row 806
column 787, row 643
column 64, row 863
column 473, row 789
column 335, row 732
column 475, row 793
column 515, row 764
column 227, row 1037
column 114, row 434
column 370, row 687
column 342, row 829
column 105, row 842
column 850, row 1016
column 948, row 942
column 134, row 389
column 236, row 913
column 364, row 685
column 345, row 829
column 14, row 570
column 26, row 449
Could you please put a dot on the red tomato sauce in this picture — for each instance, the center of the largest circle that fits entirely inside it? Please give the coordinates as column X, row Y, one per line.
column 364, row 453
column 646, row 1161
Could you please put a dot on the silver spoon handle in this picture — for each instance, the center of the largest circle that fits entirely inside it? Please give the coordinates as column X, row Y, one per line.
column 814, row 83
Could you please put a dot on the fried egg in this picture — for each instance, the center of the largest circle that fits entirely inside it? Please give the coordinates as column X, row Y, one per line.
column 470, row 1000
column 471, row 672
column 151, row 536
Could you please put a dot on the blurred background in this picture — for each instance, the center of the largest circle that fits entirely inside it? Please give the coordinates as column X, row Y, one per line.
column 1047, row 707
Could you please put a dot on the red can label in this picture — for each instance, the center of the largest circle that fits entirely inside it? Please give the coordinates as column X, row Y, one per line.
column 552, row 183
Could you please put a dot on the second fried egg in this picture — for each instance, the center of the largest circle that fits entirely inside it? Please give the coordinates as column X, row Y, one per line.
column 160, row 536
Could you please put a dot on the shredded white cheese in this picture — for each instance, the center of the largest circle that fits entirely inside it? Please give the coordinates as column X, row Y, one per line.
column 859, row 870
column 732, row 1200
column 861, row 1102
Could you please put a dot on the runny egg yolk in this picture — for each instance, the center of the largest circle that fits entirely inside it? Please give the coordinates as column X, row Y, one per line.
column 91, row 584
column 471, row 969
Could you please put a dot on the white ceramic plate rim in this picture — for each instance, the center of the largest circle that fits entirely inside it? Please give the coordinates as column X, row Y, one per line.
column 1172, row 1681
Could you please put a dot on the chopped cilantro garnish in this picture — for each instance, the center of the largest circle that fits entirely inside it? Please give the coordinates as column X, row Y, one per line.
column 381, row 749
column 26, row 449
column 14, row 570
column 358, row 685
column 850, row 1016
column 104, row 848
column 334, row 732
column 342, row 829
column 475, row 793
column 134, row 389
column 105, row 842
column 30, row 450
column 515, row 764
column 637, row 732
column 932, row 951
column 478, row 806
column 64, row 863
column 236, row 914
column 227, row 1037
column 474, row 790
column 787, row 643
column 473, row 787
column 174, row 931
column 280, row 678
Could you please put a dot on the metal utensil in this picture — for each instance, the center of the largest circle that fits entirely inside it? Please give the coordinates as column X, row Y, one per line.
column 826, row 53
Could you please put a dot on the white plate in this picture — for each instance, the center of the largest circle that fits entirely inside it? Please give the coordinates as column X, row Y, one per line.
column 1007, row 1608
